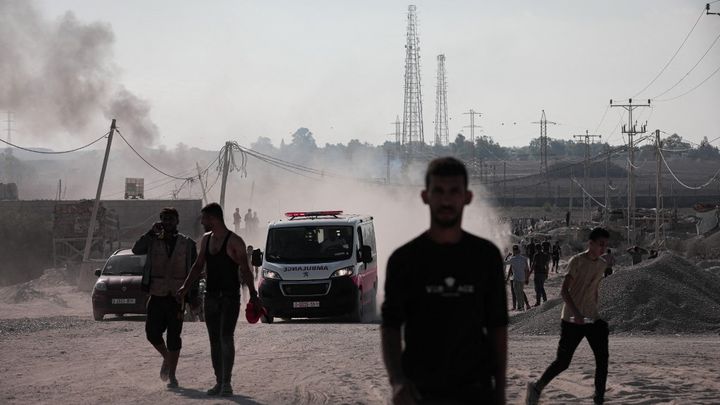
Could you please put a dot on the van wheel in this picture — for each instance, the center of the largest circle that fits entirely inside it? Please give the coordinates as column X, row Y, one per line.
column 97, row 315
column 266, row 319
column 356, row 316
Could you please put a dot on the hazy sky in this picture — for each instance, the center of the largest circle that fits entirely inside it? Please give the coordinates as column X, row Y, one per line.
column 220, row 70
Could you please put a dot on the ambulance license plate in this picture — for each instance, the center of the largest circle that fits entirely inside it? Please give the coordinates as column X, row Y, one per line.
column 306, row 304
column 123, row 300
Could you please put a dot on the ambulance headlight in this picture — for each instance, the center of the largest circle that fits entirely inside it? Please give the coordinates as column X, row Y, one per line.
column 272, row 275
column 100, row 286
column 347, row 271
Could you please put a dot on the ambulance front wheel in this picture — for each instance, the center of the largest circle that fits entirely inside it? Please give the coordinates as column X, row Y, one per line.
column 266, row 318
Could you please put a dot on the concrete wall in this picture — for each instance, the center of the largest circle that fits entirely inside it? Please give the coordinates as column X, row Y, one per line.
column 135, row 216
column 26, row 230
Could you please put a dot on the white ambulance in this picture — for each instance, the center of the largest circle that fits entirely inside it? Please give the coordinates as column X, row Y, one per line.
column 319, row 264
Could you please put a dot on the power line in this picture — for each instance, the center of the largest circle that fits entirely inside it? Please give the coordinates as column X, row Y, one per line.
column 691, row 90
column 146, row 161
column 54, row 152
column 691, row 69
column 682, row 183
column 674, row 55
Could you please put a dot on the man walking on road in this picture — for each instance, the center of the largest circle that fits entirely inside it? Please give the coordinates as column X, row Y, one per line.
column 541, row 268
column 519, row 270
column 225, row 256
column 580, row 317
column 237, row 220
column 444, row 290
column 556, row 256
column 169, row 257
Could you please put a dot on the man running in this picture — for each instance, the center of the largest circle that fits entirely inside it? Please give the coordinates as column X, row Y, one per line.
column 556, row 256
column 580, row 317
column 541, row 268
column 224, row 253
column 169, row 257
column 444, row 294
column 519, row 271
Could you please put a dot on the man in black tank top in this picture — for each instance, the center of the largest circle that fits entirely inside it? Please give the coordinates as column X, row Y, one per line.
column 224, row 254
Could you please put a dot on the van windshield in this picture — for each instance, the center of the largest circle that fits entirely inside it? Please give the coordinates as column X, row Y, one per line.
column 124, row 265
column 309, row 244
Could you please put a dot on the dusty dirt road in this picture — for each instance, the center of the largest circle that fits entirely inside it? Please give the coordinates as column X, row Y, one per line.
column 74, row 360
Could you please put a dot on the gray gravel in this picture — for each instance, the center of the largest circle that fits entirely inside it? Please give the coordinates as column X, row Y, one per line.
column 23, row 326
column 668, row 295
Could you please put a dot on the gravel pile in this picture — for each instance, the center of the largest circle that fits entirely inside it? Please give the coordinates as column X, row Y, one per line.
column 705, row 247
column 24, row 326
column 666, row 295
column 33, row 289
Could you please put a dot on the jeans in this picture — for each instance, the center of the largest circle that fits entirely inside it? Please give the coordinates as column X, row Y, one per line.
column 514, row 297
column 221, row 315
column 519, row 293
column 539, row 281
column 164, row 313
column 570, row 337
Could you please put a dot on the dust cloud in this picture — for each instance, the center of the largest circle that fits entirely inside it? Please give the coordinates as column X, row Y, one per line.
column 398, row 212
column 59, row 76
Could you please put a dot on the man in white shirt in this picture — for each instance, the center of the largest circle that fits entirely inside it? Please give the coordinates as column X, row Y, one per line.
column 519, row 268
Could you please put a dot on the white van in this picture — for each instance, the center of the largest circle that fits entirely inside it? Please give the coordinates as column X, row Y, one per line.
column 319, row 264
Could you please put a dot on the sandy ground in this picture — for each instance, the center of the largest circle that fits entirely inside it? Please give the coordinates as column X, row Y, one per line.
column 56, row 354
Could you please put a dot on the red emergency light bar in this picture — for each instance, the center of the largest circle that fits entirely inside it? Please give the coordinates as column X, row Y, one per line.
column 312, row 214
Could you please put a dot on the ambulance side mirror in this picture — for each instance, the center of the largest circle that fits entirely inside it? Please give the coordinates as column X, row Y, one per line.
column 366, row 254
column 257, row 258
column 98, row 272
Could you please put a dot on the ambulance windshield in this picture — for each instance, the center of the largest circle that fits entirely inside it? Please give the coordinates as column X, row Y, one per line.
column 309, row 244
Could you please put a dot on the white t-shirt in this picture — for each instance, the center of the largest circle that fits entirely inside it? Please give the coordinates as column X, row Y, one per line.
column 519, row 266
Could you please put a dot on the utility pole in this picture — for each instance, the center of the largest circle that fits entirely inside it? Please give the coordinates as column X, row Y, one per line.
column 96, row 206
column 202, row 185
column 543, row 141
column 472, row 113
column 441, row 117
column 504, row 181
column 59, row 190
column 9, row 130
column 707, row 10
column 397, row 124
column 606, row 217
column 631, row 130
column 586, row 139
column 225, row 169
column 412, row 109
column 658, row 145
column 570, row 195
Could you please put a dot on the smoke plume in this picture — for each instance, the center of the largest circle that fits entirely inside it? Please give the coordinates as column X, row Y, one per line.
column 59, row 76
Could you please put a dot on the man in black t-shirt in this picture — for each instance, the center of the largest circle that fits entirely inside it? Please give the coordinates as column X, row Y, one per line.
column 446, row 289
column 540, row 268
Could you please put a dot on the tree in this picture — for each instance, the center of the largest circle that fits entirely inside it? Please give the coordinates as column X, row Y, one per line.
column 264, row 145
column 303, row 140
column 705, row 151
column 675, row 141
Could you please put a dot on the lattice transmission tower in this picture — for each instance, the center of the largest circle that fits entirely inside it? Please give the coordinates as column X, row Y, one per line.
column 441, row 117
column 412, row 131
